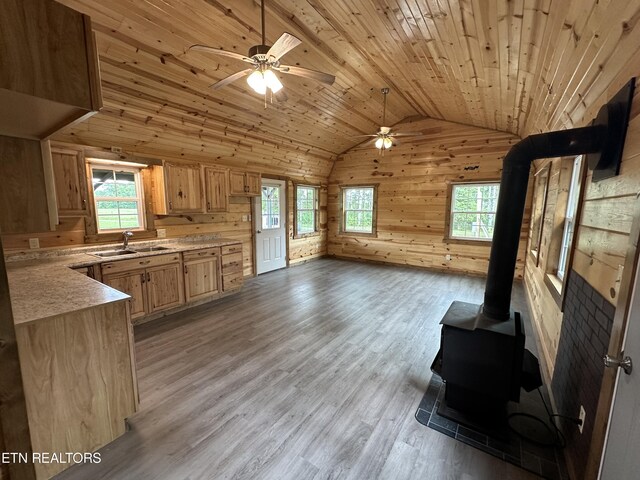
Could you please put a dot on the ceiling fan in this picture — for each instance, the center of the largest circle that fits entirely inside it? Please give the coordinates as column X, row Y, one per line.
column 265, row 62
column 384, row 138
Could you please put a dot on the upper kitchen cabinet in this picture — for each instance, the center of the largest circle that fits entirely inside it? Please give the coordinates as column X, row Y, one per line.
column 216, row 181
column 49, row 75
column 244, row 183
column 174, row 188
column 26, row 188
column 71, row 182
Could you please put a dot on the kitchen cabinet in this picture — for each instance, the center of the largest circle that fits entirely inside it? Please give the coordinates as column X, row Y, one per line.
column 174, row 188
column 133, row 284
column 201, row 273
column 165, row 287
column 232, row 276
column 154, row 283
column 70, row 182
column 49, row 73
column 216, row 181
column 244, row 183
column 24, row 196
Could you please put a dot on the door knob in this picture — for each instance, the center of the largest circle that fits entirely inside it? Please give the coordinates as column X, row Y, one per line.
column 626, row 364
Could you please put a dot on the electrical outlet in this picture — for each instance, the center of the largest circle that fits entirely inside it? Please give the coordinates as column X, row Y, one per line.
column 582, row 417
column 34, row 243
column 116, row 149
column 447, row 257
column 244, row 218
column 161, row 232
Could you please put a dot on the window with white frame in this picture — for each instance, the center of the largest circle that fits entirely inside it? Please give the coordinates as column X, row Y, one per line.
column 473, row 210
column 569, row 220
column 118, row 198
column 358, row 210
column 306, row 210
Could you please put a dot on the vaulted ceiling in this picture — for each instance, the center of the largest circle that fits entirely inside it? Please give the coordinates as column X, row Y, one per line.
column 509, row 65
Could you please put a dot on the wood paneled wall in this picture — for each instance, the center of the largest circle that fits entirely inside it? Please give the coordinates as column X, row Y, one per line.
column 413, row 178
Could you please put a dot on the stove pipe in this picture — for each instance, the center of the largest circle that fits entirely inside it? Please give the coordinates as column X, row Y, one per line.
column 511, row 202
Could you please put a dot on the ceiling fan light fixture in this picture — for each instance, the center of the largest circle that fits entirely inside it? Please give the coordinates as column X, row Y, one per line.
column 272, row 81
column 383, row 143
column 257, row 82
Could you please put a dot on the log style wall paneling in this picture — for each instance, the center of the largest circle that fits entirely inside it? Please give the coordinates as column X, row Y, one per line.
column 413, row 178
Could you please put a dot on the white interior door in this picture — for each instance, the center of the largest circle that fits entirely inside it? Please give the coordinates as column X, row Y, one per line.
column 620, row 455
column 271, row 240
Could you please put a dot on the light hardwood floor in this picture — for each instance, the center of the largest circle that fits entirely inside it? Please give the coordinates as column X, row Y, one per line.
column 314, row 372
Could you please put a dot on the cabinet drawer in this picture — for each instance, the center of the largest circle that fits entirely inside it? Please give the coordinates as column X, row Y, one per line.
column 232, row 263
column 231, row 281
column 204, row 253
column 235, row 248
column 143, row 262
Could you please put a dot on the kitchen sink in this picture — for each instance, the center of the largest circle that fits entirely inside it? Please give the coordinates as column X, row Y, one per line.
column 151, row 249
column 114, row 253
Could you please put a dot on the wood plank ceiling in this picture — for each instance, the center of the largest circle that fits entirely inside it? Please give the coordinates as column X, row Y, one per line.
column 489, row 63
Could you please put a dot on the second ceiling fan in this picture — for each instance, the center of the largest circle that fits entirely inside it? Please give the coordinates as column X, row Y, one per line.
column 265, row 62
column 384, row 138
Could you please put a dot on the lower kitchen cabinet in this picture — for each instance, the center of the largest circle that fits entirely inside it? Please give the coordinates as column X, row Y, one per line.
column 232, row 276
column 133, row 284
column 201, row 273
column 164, row 287
column 154, row 283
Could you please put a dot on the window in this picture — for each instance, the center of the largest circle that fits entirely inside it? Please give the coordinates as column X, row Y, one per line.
column 473, row 210
column 270, row 207
column 569, row 220
column 358, row 210
column 306, row 210
column 118, row 198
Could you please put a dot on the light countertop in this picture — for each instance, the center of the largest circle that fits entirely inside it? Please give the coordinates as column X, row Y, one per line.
column 43, row 285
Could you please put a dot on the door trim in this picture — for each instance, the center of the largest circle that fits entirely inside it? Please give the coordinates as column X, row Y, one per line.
column 287, row 223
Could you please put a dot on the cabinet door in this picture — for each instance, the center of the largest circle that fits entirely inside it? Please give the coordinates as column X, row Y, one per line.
column 236, row 183
column 133, row 284
column 252, row 181
column 201, row 278
column 165, row 287
column 71, row 183
column 216, row 191
column 184, row 188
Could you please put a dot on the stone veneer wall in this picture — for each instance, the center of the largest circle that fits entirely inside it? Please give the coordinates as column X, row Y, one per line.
column 577, row 377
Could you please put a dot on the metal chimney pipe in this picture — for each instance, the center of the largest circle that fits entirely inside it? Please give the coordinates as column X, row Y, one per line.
column 511, row 202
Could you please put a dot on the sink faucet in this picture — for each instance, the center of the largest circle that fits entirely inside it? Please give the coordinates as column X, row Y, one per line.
column 125, row 238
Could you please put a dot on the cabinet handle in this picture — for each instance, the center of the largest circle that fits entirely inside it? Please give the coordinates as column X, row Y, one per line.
column 144, row 262
column 84, row 203
column 186, row 270
column 148, row 277
column 142, row 278
column 170, row 205
column 208, row 205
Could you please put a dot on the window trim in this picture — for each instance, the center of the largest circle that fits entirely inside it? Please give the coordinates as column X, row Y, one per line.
column 374, row 211
column 543, row 173
column 140, row 198
column 316, row 210
column 448, row 238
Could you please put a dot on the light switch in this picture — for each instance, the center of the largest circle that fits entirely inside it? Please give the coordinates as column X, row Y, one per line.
column 34, row 243
column 161, row 232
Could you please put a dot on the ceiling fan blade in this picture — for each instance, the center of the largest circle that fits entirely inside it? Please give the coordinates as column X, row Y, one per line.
column 307, row 73
column 405, row 134
column 224, row 53
column 284, row 44
column 358, row 136
column 231, row 78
